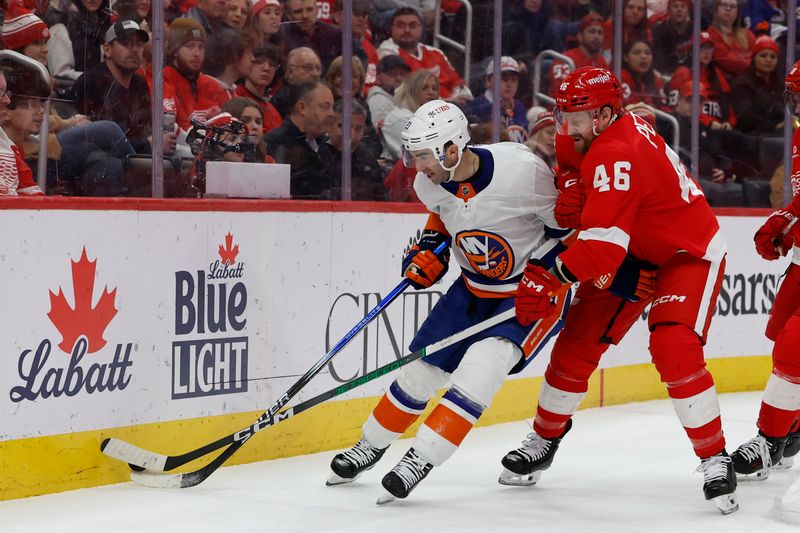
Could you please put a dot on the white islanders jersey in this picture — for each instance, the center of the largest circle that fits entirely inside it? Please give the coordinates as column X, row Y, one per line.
column 498, row 218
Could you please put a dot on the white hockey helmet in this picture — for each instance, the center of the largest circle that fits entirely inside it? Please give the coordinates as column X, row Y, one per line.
column 433, row 127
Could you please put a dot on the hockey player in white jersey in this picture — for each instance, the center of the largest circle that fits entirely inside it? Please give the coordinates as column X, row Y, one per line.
column 496, row 205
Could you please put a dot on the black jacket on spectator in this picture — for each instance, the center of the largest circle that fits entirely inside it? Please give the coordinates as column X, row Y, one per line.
column 671, row 48
column 325, row 40
column 758, row 104
column 525, row 34
column 311, row 178
column 98, row 96
column 366, row 183
column 86, row 29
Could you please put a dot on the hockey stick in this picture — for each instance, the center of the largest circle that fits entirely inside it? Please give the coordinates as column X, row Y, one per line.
column 778, row 241
column 154, row 479
column 115, row 448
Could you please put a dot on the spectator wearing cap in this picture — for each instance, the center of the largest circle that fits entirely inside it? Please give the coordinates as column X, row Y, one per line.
column 211, row 14
column 76, row 38
column 733, row 43
column 257, row 79
column 305, row 30
column 542, row 137
column 406, row 34
column 25, row 33
column 195, row 96
column 529, row 27
column 672, row 38
column 640, row 81
column 717, row 110
column 588, row 53
column 302, row 64
column 366, row 182
column 299, row 142
column 757, row 94
column 362, row 39
column 265, row 23
column 115, row 91
column 230, row 60
column 716, row 174
column 16, row 177
column 512, row 112
column 391, row 72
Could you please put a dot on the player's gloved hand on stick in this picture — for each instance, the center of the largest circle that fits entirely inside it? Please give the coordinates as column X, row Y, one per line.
column 773, row 240
column 633, row 280
column 423, row 267
column 571, row 198
column 534, row 293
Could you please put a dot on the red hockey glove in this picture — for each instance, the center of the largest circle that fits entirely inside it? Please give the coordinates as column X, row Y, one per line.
column 774, row 239
column 533, row 300
column 571, row 197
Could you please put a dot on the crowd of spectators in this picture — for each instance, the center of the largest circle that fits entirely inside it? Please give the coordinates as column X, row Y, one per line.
column 277, row 66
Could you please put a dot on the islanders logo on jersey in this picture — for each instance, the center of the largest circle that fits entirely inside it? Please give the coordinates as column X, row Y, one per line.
column 488, row 253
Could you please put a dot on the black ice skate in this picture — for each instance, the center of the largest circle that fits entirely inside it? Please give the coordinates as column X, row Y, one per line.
column 524, row 466
column 754, row 459
column 791, row 448
column 402, row 479
column 348, row 465
column 719, row 482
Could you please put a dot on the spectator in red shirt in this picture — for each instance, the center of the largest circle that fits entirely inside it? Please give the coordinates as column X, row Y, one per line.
column 732, row 41
column 717, row 111
column 258, row 78
column 586, row 54
column 193, row 94
column 16, row 177
column 406, row 34
column 640, row 81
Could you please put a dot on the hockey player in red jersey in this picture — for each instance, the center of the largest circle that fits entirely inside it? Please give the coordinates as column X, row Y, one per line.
column 495, row 204
column 640, row 201
column 778, row 438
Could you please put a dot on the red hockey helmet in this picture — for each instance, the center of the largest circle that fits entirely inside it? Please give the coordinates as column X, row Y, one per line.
column 791, row 94
column 589, row 88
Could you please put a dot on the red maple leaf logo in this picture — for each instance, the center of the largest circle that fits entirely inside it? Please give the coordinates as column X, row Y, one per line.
column 226, row 253
column 84, row 320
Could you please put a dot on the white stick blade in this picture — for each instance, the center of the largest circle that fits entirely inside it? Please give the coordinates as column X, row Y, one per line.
column 124, row 451
column 156, row 480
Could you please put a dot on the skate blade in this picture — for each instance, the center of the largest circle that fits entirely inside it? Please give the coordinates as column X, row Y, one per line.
column 727, row 503
column 336, row 479
column 512, row 479
column 785, row 464
column 384, row 498
column 760, row 475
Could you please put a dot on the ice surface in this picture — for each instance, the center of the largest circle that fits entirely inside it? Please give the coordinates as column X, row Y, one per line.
column 621, row 468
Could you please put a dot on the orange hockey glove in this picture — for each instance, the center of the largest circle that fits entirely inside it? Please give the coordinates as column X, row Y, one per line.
column 533, row 300
column 421, row 265
column 571, row 198
column 774, row 239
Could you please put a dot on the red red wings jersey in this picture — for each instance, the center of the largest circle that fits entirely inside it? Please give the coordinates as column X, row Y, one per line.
column 641, row 199
column 202, row 98
column 431, row 59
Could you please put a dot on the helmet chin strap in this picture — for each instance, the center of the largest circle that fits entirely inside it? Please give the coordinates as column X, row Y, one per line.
column 452, row 170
